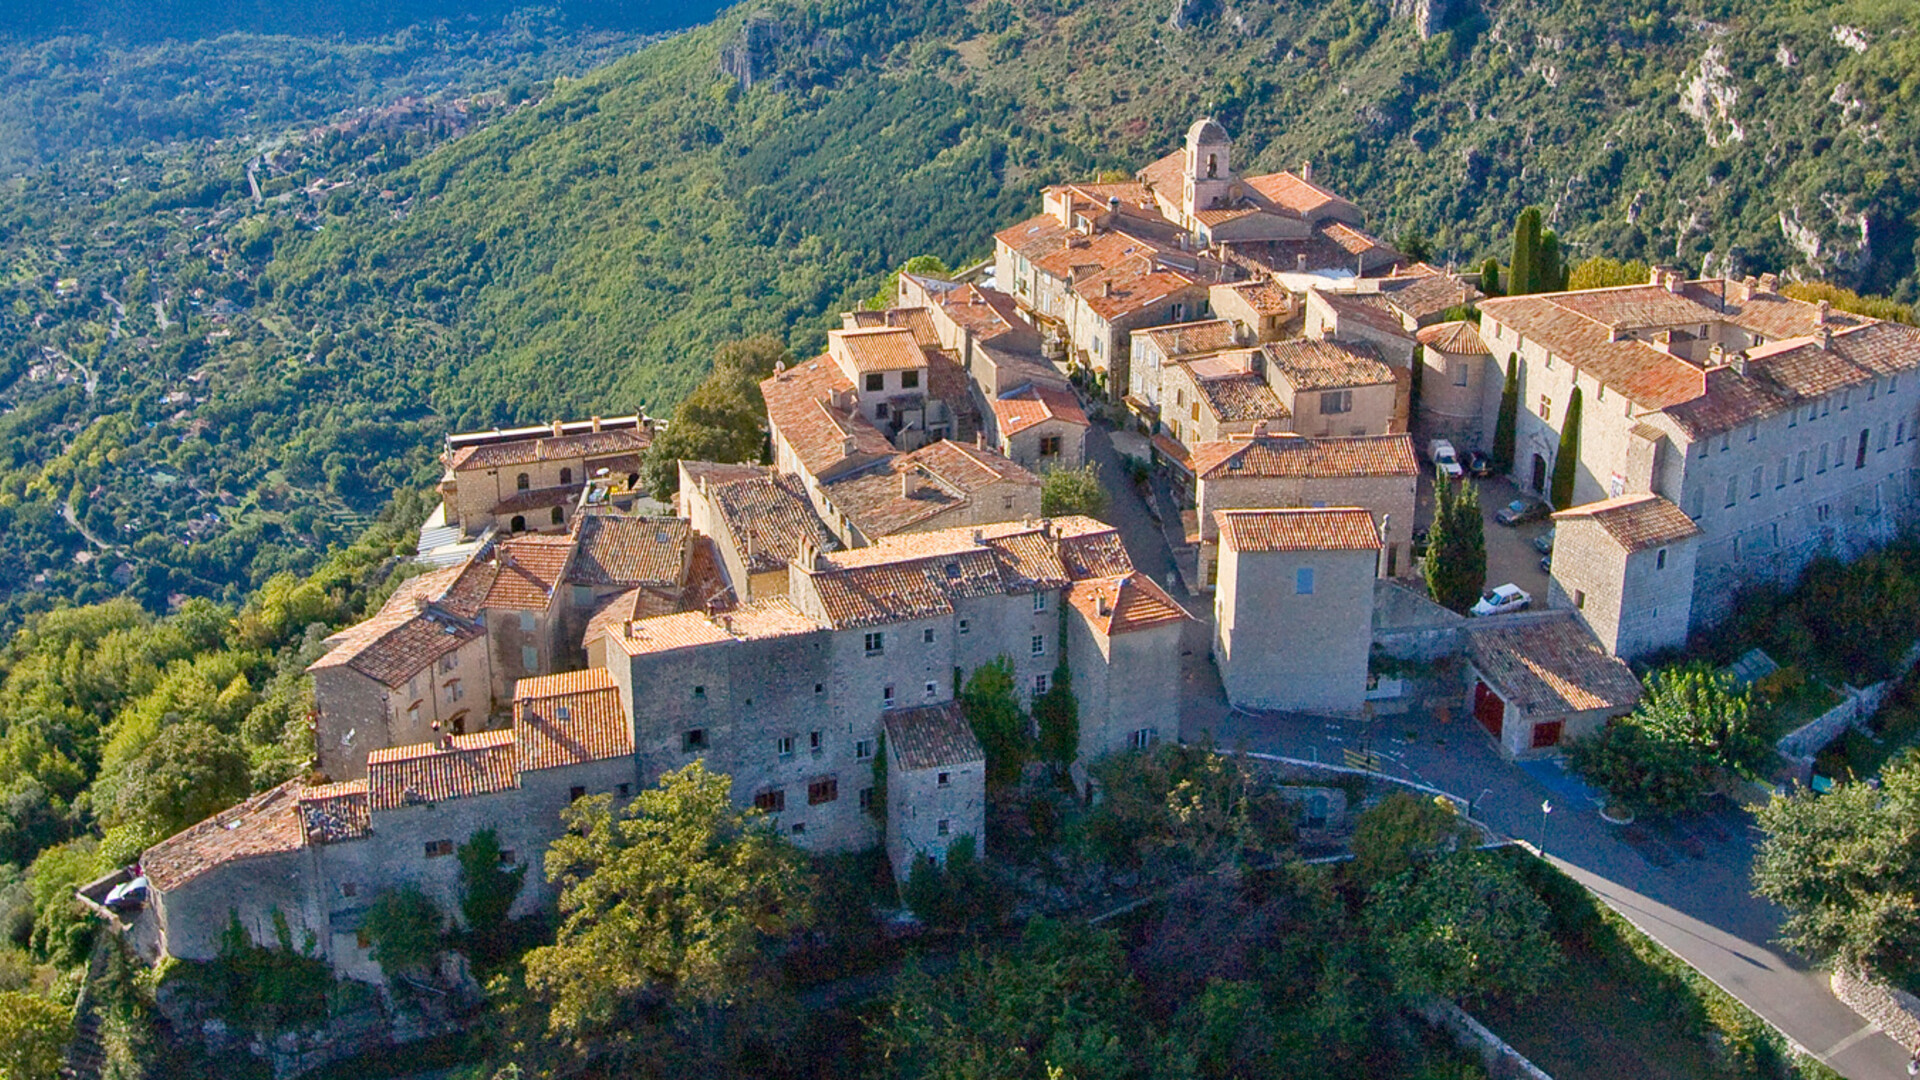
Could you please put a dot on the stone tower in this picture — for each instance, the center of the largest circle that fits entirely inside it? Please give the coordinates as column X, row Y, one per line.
column 1209, row 166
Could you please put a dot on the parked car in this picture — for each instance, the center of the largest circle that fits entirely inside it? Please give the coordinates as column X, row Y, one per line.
column 1479, row 464
column 1521, row 511
column 1502, row 599
column 1546, row 564
column 1544, row 542
column 1444, row 459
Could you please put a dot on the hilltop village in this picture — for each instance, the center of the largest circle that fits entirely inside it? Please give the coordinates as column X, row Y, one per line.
column 805, row 626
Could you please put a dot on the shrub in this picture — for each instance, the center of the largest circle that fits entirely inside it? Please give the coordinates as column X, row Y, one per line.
column 404, row 927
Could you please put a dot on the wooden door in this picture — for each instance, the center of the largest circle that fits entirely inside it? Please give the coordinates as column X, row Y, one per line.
column 1488, row 708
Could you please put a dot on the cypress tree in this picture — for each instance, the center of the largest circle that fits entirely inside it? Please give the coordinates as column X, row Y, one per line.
column 1508, row 421
column 1490, row 276
column 1456, row 563
column 1568, row 457
column 1523, row 270
column 1553, row 271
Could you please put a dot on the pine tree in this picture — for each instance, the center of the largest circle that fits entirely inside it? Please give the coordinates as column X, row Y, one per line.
column 1523, row 271
column 1569, row 455
column 1490, row 276
column 1505, row 425
column 1456, row 563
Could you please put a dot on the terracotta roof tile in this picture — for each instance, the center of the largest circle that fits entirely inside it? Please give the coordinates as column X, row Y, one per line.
column 766, row 618
column 918, row 575
column 706, row 588
column 1307, row 364
column 1240, row 398
column 1018, row 410
column 1287, row 191
column 569, row 719
column 1035, row 237
column 1369, row 309
column 931, row 737
column 1265, row 297
column 771, row 520
column 1125, row 604
column 1298, row 455
column 825, row 436
column 526, row 570
column 1427, row 292
column 1297, row 529
column 1550, row 666
column 549, row 447
column 428, row 773
column 614, row 549
column 915, row 487
column 406, row 636
column 1192, row 338
column 915, row 319
column 333, row 813
column 1095, row 555
column 881, row 348
column 265, row 824
column 989, row 313
column 633, row 604
column 1134, row 285
column 1636, row 521
column 1460, row 338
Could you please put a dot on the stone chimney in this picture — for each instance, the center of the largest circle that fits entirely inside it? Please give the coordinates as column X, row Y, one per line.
column 559, row 428
column 1675, row 281
column 1259, row 429
column 1106, row 288
column 1743, row 289
column 1740, row 362
column 1769, row 283
column 847, row 446
column 1300, row 263
column 1823, row 313
column 1102, row 606
column 1306, row 171
column 629, row 629
column 596, row 423
column 1826, row 337
column 909, row 483
column 980, row 439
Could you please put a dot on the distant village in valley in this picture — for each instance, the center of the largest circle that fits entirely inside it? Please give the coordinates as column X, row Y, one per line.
column 1276, row 399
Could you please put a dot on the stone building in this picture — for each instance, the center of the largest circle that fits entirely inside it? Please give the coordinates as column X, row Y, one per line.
column 1781, row 427
column 1625, row 567
column 1293, row 608
column 936, row 785
column 1260, row 308
column 1368, row 317
column 531, row 478
column 757, row 519
column 1041, row 427
column 1209, row 398
column 1124, row 627
column 1456, row 367
column 941, row 485
column 1537, row 681
column 1272, row 470
column 1337, row 387
column 1157, row 349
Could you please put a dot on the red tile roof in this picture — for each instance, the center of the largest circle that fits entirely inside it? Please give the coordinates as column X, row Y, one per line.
column 1298, row 455
column 1240, row 398
column 333, row 813
column 265, row 824
column 918, row 575
column 1636, row 521
column 873, row 349
column 916, row 487
column 429, row 773
column 1135, row 285
column 1460, row 338
column 932, row 737
column 1425, row 292
column 1368, row 309
column 1125, row 604
column 1033, row 404
column 1192, row 338
column 569, row 719
column 1287, row 191
column 516, row 574
column 549, row 447
column 825, row 436
column 770, row 520
column 771, row 617
column 1550, row 666
column 1265, row 297
column 614, row 549
column 1297, row 529
column 406, row 636
column 1307, row 364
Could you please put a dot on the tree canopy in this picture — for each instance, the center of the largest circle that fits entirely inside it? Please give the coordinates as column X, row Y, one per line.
column 1463, row 927
column 1455, row 567
column 1074, row 491
column 990, row 702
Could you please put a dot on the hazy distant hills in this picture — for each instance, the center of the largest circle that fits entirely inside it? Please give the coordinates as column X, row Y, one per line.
column 185, row 20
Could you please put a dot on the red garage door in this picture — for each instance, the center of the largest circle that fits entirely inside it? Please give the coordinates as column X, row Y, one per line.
column 1488, row 708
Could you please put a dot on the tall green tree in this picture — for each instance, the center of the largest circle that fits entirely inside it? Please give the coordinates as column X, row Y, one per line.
column 1604, row 273
column 405, row 927
column 1699, row 707
column 1403, row 831
column 1490, row 276
column 1456, row 564
column 990, row 702
column 1568, row 459
column 1523, row 270
column 1553, row 271
column 1846, row 867
column 667, row 912
column 1074, row 491
column 189, row 772
column 33, row 1035
column 1506, row 424
column 1465, row 928
column 724, row 418
column 488, row 886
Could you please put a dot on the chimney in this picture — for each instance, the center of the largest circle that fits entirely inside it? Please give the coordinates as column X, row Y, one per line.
column 1740, row 362
column 1658, row 276
column 559, row 428
column 1717, row 355
column 1300, row 263
column 1676, row 281
column 977, row 535
column 629, row 629
column 1113, row 204
column 1306, row 171
column 596, row 423
column 1769, row 283
column 1259, row 429
column 727, row 621
column 980, row 439
column 1102, row 606
column 908, row 483
column 1744, row 289
column 1826, row 337
column 1824, row 313
column 1106, row 288
column 847, row 446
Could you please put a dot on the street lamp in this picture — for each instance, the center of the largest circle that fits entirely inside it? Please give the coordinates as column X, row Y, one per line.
column 1546, row 808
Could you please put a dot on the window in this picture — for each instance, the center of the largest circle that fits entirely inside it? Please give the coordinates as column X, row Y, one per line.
column 1800, row 466
column 439, row 848
column 1759, row 478
column 699, row 693
column 529, row 657
column 819, row 688
column 1660, row 559
column 823, row 791
column 582, row 596
column 509, row 858
column 558, row 516
column 942, row 826
column 575, row 794
column 909, row 380
column 816, row 741
column 526, row 622
column 453, row 690
column 783, row 746
column 1050, row 446
column 1733, row 490
column 1546, row 407
column 521, row 482
column 1039, row 644
column 799, row 828
column 926, row 636
column 1726, row 439
column 1144, row 738
column 1459, row 371
column 623, row 790
column 771, row 802
column 880, row 411
column 886, row 698
column 693, row 739
column 876, row 381
column 566, row 477
column 1846, row 400
column 866, row 798
column 1780, row 481
column 448, row 663
column 933, row 690
column 876, row 643
column 1753, row 431
column 1873, row 387
column 1006, row 502
column 1900, row 434
column 1303, row 581
column 863, row 750
column 518, row 524
column 1039, row 601
column 1823, row 459
column 1333, row 402
column 1039, row 685
column 944, row 779
column 413, row 714
column 965, row 626
column 348, row 888
column 1579, row 598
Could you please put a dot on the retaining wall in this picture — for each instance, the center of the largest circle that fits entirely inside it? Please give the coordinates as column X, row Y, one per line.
column 1501, row 1059
column 1895, row 1012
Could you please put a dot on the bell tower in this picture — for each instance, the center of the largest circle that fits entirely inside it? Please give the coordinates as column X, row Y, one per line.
column 1209, row 167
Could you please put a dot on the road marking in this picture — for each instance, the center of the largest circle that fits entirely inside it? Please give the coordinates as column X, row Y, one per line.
column 1846, row 1044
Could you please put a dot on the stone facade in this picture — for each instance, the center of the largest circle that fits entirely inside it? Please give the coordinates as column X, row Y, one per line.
column 531, row 478
column 1634, row 594
column 936, row 786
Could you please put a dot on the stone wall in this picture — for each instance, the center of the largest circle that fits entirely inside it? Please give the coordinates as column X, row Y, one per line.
column 1803, row 743
column 1893, row 1011
column 1472, row 1036
column 1409, row 626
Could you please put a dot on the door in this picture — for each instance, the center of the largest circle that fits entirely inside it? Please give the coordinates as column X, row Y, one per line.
column 1488, row 708
column 1547, row 734
column 1539, row 473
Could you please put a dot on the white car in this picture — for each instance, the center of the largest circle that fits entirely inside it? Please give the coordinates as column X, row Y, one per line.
column 1445, row 460
column 1502, row 599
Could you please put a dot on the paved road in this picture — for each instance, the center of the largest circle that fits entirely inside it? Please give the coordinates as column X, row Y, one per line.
column 1684, row 885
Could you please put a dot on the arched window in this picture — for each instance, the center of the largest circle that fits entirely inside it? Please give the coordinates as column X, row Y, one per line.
column 519, row 524
column 558, row 517
column 521, row 482
column 566, row 477
column 458, row 725
column 1213, row 166
column 633, row 480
